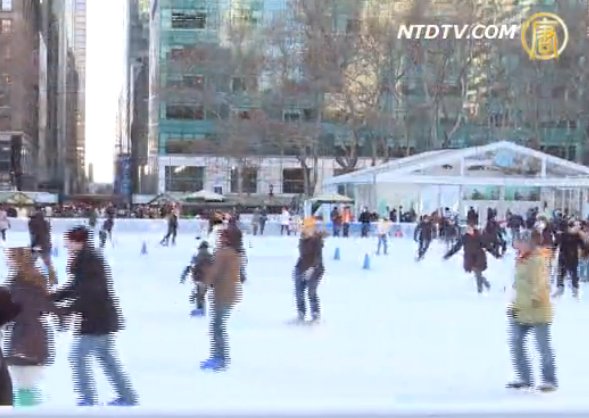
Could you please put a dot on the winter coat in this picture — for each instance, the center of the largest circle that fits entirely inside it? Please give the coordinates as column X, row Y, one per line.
column 172, row 222
column 285, row 218
column 200, row 264
column 310, row 252
column 4, row 221
column 91, row 294
column 383, row 227
column 364, row 218
column 475, row 257
column 29, row 342
column 532, row 304
column 108, row 224
column 224, row 277
column 8, row 311
column 40, row 232
column 569, row 244
column 424, row 231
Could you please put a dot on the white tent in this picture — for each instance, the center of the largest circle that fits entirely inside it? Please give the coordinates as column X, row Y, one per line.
column 469, row 174
column 205, row 195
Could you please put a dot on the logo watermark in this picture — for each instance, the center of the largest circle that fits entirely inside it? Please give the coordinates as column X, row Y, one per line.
column 544, row 36
column 448, row 31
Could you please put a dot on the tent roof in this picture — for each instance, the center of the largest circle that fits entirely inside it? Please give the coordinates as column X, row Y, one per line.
column 414, row 169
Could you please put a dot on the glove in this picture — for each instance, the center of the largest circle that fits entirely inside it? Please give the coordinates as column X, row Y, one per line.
column 510, row 312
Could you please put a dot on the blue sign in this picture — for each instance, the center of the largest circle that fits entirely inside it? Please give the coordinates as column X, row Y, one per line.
column 123, row 177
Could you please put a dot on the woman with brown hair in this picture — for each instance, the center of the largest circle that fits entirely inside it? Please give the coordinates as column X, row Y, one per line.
column 28, row 348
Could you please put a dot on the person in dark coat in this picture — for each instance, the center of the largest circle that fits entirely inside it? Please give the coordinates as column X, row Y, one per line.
column 423, row 235
column 8, row 311
column 364, row 220
column 92, row 297
column 309, row 270
column 172, row 229
column 29, row 345
column 223, row 277
column 40, row 233
column 570, row 243
column 198, row 268
column 475, row 257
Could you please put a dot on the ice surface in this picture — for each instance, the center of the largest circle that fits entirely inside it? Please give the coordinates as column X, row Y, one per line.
column 401, row 336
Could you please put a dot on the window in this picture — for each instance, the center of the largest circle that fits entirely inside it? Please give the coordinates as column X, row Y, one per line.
column 238, row 85
column 189, row 20
column 291, row 115
column 6, row 5
column 249, row 180
column 8, row 52
column 194, row 81
column 185, row 112
column 184, row 178
column 352, row 26
column 5, row 79
column 242, row 114
column 218, row 190
column 293, row 181
column 5, row 25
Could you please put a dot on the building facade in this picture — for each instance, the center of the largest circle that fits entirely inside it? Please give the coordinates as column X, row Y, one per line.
column 19, row 94
column 131, row 145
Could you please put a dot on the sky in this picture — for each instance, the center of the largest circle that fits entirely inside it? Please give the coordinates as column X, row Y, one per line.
column 105, row 74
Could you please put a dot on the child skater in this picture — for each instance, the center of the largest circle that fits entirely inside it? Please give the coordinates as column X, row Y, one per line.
column 29, row 348
column 198, row 268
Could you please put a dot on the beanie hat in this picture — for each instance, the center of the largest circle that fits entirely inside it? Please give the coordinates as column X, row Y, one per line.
column 78, row 234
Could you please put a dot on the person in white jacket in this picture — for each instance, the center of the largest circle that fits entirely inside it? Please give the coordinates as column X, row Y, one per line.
column 4, row 223
column 285, row 222
column 383, row 228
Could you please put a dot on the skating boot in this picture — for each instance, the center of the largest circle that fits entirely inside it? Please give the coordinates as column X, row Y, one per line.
column 197, row 312
column 547, row 387
column 123, row 402
column 575, row 293
column 559, row 292
column 518, row 385
column 27, row 397
column 214, row 364
column 315, row 318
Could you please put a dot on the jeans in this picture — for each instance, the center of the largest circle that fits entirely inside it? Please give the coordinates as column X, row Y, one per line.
column 584, row 270
column 219, row 344
column 310, row 285
column 103, row 349
column 423, row 247
column 481, row 281
column 364, row 229
column 521, row 364
column 336, row 229
column 572, row 270
column 382, row 242
column 346, row 230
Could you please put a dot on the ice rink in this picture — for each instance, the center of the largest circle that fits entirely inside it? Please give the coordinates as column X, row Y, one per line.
column 400, row 335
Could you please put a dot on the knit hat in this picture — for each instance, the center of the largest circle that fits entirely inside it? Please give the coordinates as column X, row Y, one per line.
column 78, row 234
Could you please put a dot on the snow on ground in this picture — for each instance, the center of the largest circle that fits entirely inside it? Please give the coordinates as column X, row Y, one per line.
column 400, row 335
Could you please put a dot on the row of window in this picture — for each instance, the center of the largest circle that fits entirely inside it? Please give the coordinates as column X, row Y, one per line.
column 197, row 112
column 191, row 179
column 5, row 26
column 189, row 19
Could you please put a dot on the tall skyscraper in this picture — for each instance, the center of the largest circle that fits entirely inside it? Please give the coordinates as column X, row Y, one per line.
column 78, row 16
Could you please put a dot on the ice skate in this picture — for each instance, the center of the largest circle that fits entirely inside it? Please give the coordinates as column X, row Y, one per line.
column 575, row 293
column 559, row 292
column 547, row 387
column 518, row 385
column 197, row 312
column 122, row 402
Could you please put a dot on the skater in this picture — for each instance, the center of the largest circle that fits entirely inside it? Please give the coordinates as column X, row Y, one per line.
column 172, row 229
column 8, row 311
column 382, row 229
column 28, row 345
column 40, row 233
column 256, row 219
column 107, row 227
column 451, row 233
column 285, row 219
column 423, row 235
column 223, row 276
column 4, row 223
column 92, row 298
column 309, row 270
column 475, row 257
column 531, row 310
column 263, row 219
column 198, row 268
column 364, row 220
column 570, row 243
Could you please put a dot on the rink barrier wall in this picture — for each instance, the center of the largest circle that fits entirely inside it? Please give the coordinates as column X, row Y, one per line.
column 190, row 226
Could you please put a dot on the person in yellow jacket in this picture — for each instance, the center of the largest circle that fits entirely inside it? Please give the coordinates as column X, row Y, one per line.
column 531, row 310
